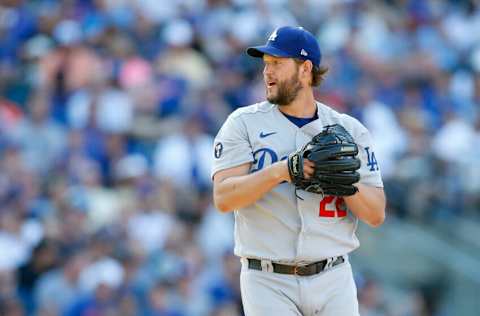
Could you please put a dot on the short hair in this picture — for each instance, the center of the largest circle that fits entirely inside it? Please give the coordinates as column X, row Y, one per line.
column 318, row 73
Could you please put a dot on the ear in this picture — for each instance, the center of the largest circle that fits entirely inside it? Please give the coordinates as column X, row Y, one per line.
column 306, row 70
column 308, row 66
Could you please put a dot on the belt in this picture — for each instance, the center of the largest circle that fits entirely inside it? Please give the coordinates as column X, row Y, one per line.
column 302, row 270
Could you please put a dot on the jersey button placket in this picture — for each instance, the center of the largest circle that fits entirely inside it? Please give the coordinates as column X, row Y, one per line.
column 300, row 140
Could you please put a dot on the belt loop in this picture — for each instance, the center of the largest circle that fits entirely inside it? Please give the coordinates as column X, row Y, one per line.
column 267, row 265
column 244, row 261
column 333, row 261
column 329, row 263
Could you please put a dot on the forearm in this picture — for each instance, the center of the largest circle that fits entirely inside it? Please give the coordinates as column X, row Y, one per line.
column 368, row 204
column 240, row 191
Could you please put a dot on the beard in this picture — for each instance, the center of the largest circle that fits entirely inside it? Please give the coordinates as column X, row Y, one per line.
column 287, row 91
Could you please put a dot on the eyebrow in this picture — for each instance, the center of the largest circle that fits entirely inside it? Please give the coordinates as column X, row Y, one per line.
column 272, row 60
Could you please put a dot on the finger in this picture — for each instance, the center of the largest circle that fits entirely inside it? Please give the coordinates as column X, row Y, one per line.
column 308, row 163
column 308, row 171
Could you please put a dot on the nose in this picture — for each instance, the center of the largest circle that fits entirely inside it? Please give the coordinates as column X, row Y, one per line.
column 267, row 70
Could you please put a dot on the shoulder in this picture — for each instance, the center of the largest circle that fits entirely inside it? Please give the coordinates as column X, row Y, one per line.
column 351, row 124
column 244, row 117
column 252, row 110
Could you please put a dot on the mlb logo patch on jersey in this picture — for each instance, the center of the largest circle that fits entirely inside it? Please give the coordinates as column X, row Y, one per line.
column 218, row 150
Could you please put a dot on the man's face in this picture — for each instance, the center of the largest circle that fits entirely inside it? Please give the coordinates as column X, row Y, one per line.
column 281, row 79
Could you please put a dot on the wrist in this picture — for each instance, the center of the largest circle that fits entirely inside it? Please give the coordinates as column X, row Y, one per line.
column 281, row 171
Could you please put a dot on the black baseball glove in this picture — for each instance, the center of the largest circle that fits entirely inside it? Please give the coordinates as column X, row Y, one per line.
column 333, row 152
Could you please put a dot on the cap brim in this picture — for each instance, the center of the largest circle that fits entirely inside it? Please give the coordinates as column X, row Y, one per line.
column 259, row 51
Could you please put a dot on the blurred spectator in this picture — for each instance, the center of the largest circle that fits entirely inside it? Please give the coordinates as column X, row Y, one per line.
column 107, row 112
column 58, row 289
column 16, row 250
column 188, row 154
column 180, row 59
column 159, row 302
column 455, row 128
column 106, row 272
column 110, row 110
column 42, row 139
column 44, row 258
column 149, row 227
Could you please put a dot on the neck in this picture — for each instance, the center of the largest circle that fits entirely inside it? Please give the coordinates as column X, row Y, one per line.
column 303, row 106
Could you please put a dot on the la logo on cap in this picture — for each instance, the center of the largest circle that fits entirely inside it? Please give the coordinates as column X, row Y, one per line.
column 273, row 36
column 303, row 52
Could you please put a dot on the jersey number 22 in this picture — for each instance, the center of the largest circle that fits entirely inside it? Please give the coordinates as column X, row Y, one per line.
column 338, row 211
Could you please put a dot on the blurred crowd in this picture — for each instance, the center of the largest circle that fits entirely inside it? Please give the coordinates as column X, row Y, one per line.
column 108, row 109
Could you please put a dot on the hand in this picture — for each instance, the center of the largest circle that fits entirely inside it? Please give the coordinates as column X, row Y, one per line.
column 308, row 168
column 327, row 164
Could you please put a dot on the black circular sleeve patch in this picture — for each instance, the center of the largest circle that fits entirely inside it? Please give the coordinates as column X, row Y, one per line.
column 218, row 150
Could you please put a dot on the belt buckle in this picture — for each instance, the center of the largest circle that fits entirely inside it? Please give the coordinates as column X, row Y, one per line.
column 301, row 270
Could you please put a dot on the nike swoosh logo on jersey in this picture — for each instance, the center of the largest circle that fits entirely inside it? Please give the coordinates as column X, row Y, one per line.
column 262, row 135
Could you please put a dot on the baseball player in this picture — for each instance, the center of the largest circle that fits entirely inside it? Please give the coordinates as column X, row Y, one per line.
column 293, row 242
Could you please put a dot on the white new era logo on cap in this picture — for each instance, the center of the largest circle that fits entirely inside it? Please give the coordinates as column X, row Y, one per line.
column 303, row 52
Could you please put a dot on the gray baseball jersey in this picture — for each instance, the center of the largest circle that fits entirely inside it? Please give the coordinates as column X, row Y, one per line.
column 284, row 225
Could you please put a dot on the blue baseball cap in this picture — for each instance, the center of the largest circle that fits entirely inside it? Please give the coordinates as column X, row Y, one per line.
column 290, row 42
